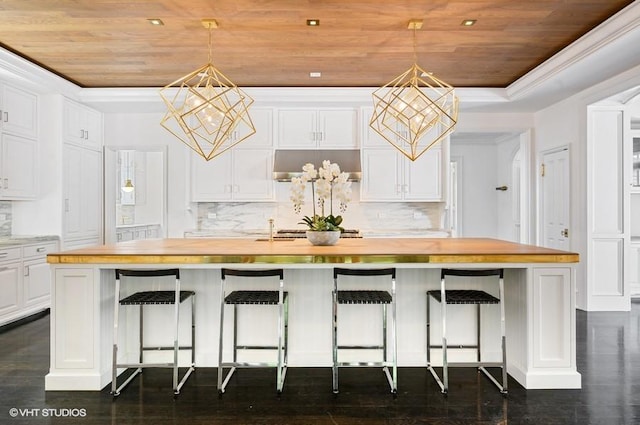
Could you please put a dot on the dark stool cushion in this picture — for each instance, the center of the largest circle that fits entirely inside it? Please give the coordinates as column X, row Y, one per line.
column 155, row 297
column 463, row 296
column 253, row 297
column 364, row 297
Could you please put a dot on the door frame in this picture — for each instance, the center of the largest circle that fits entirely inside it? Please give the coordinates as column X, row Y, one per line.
column 110, row 159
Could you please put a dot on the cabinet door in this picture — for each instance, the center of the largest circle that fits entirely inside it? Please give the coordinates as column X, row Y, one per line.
column 262, row 119
column 18, row 167
column 252, row 174
column 92, row 125
column 82, row 125
column 423, row 177
column 297, row 128
column 371, row 138
column 380, row 175
column 73, row 118
column 91, row 200
column 10, row 288
column 82, row 192
column 37, row 282
column 72, row 195
column 337, row 128
column 211, row 180
column 19, row 112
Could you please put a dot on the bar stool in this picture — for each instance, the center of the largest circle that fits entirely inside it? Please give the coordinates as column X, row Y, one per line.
column 144, row 298
column 362, row 297
column 277, row 298
column 461, row 296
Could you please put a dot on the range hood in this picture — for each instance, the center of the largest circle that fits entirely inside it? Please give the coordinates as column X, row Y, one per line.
column 288, row 162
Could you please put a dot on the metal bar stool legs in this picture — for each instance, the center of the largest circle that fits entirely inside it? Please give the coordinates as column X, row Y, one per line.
column 277, row 298
column 141, row 299
column 476, row 297
column 382, row 298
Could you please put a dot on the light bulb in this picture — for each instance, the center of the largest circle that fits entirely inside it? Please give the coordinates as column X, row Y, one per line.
column 128, row 186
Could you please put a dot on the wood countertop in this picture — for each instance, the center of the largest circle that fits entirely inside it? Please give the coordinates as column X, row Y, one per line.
column 300, row 251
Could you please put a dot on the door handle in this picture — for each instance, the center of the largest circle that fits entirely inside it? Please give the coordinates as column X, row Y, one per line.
column 564, row 233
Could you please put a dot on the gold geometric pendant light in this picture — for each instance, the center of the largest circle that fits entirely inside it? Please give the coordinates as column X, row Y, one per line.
column 207, row 112
column 415, row 110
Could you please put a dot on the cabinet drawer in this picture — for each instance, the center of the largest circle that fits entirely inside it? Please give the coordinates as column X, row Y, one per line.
column 9, row 254
column 40, row 250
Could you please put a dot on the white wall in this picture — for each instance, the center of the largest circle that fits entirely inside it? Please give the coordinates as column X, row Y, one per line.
column 477, row 168
column 565, row 123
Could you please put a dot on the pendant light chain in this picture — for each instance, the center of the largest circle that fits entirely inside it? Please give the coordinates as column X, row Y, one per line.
column 210, row 48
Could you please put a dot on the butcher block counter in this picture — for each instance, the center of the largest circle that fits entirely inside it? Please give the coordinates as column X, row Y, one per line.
column 539, row 301
column 295, row 251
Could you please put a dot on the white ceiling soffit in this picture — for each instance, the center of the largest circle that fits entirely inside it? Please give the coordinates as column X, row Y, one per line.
column 490, row 138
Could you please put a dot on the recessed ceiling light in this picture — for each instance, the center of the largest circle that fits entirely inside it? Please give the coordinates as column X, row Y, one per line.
column 313, row 22
column 415, row 24
column 155, row 21
column 468, row 22
column 315, row 74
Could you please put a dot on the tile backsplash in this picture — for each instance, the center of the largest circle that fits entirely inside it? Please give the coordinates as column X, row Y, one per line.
column 5, row 219
column 364, row 216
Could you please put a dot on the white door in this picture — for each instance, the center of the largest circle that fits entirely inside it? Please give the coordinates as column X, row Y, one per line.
column 454, row 223
column 555, row 199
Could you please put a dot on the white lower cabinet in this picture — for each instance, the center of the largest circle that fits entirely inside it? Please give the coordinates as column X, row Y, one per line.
column 634, row 270
column 10, row 288
column 25, row 280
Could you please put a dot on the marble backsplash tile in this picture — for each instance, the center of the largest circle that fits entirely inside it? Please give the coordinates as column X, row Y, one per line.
column 5, row 219
column 369, row 216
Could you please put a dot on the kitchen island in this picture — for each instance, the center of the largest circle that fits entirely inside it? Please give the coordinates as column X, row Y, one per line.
column 539, row 292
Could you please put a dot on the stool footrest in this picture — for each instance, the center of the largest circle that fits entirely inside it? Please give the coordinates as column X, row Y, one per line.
column 365, row 364
column 166, row 348
column 360, row 347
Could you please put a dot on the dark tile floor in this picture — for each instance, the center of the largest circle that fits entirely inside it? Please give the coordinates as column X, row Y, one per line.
column 608, row 358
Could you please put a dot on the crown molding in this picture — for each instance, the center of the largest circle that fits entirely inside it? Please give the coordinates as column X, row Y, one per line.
column 562, row 67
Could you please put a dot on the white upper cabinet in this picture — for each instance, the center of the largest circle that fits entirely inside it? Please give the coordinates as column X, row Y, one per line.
column 19, row 110
column 423, row 177
column 387, row 175
column 18, row 143
column 238, row 174
column 82, row 125
column 382, row 175
column 18, row 158
column 243, row 173
column 262, row 119
column 301, row 128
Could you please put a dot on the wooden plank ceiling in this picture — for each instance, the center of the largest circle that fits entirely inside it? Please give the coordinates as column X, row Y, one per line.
column 359, row 43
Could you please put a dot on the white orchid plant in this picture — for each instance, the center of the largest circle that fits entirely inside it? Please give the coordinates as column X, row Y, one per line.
column 326, row 182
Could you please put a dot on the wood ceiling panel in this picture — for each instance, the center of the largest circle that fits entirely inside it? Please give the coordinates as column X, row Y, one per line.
column 109, row 43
